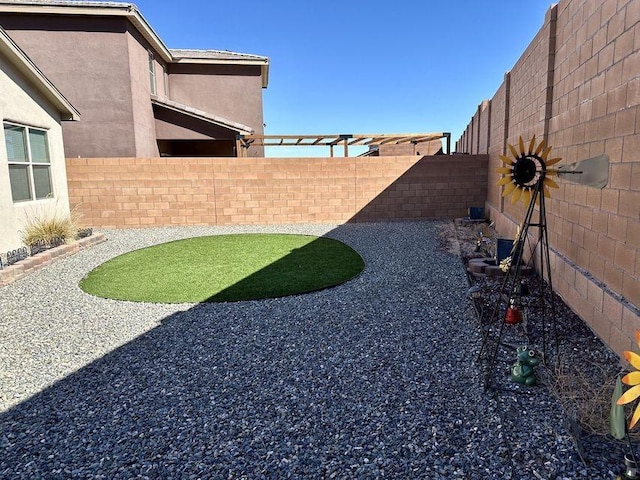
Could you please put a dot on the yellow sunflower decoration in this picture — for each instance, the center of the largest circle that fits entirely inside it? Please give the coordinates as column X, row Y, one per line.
column 633, row 380
column 526, row 169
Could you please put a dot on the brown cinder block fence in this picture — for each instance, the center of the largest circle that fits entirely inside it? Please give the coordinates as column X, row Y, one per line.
column 577, row 85
column 146, row 192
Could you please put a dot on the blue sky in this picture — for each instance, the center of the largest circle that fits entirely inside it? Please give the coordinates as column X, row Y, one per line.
column 403, row 66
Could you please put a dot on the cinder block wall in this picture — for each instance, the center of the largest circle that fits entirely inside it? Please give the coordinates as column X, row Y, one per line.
column 141, row 192
column 578, row 85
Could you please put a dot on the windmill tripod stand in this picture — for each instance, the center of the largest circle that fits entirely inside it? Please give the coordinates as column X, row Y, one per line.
column 511, row 290
column 526, row 177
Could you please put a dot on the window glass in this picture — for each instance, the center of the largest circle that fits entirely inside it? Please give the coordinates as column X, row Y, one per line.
column 16, row 143
column 42, row 181
column 19, row 179
column 152, row 74
column 39, row 148
column 29, row 163
column 166, row 82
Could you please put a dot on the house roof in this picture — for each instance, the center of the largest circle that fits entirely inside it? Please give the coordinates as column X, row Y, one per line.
column 221, row 55
column 201, row 115
column 131, row 12
column 32, row 73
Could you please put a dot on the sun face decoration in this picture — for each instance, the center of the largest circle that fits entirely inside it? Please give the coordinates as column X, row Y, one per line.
column 526, row 169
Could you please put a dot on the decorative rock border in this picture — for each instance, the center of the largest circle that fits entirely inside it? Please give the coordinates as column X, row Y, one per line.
column 30, row 264
column 487, row 266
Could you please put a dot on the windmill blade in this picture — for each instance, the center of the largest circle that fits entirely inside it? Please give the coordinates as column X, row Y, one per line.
column 592, row 172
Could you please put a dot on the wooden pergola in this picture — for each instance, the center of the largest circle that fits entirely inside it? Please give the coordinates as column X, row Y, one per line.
column 243, row 142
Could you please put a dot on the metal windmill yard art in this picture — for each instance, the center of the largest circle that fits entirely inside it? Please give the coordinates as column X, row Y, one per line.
column 526, row 175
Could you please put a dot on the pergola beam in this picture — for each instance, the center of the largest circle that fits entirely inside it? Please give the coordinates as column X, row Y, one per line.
column 330, row 141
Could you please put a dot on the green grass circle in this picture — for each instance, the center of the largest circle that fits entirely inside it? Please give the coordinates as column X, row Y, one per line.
column 225, row 268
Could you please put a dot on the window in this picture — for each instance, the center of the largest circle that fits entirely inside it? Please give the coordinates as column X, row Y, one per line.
column 166, row 82
column 152, row 74
column 29, row 162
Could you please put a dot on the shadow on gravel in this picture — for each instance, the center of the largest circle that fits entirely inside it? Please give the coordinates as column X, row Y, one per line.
column 347, row 382
column 373, row 378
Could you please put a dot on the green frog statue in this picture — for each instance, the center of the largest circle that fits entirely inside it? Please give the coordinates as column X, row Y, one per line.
column 522, row 370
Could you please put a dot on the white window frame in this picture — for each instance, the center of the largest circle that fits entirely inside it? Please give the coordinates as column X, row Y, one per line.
column 152, row 74
column 29, row 163
column 165, row 77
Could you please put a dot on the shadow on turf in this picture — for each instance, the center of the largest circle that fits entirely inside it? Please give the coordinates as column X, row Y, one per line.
column 328, row 271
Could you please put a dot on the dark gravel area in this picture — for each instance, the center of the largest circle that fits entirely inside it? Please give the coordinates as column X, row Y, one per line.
column 375, row 378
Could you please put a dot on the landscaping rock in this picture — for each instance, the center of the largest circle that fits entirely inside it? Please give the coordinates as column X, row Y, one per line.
column 375, row 378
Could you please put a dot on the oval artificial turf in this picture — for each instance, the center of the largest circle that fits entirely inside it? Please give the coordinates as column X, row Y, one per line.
column 225, row 268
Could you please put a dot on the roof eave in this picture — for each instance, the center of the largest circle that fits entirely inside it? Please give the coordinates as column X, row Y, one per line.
column 263, row 63
column 127, row 10
column 173, row 106
column 143, row 26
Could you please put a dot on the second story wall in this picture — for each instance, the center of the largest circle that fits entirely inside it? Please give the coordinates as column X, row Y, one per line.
column 233, row 92
column 86, row 58
column 146, row 77
column 126, row 83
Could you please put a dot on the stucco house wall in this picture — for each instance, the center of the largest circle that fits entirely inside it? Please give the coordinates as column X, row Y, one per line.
column 22, row 103
column 83, row 57
column 234, row 93
column 97, row 53
column 138, row 50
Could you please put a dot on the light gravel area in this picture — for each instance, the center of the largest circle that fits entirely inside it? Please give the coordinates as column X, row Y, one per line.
column 375, row 378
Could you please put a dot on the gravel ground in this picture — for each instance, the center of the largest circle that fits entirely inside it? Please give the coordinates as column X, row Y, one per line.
column 375, row 378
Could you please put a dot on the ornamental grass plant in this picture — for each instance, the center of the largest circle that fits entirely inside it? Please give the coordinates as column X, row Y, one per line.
column 45, row 226
column 584, row 392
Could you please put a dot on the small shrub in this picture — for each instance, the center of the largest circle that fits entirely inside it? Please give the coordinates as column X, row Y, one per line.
column 45, row 227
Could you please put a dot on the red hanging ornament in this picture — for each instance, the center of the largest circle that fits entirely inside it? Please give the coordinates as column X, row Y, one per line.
column 513, row 315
